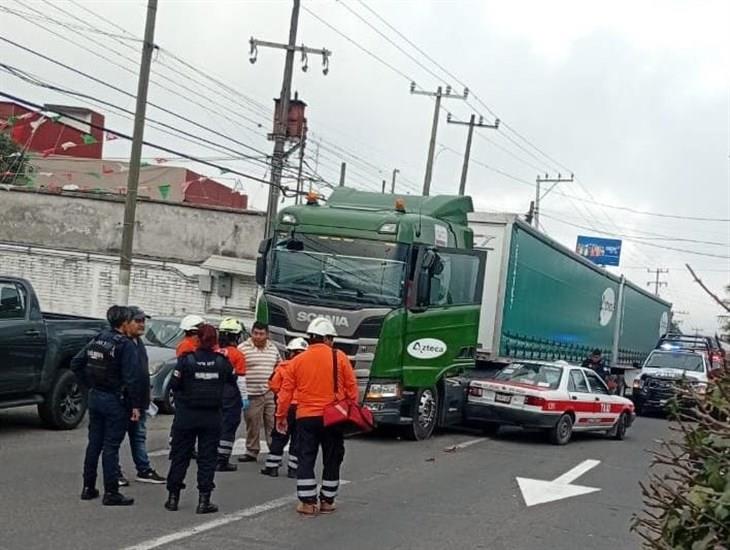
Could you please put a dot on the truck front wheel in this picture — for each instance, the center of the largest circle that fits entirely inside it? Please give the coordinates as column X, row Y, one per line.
column 65, row 404
column 424, row 416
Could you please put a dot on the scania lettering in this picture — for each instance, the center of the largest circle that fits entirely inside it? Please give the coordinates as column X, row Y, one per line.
column 417, row 305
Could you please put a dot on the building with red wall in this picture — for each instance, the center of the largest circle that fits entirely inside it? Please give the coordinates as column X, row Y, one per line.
column 65, row 153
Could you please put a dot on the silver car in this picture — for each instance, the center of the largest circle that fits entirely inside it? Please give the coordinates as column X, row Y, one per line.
column 162, row 335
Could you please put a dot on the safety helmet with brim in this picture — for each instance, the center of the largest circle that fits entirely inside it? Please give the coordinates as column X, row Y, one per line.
column 321, row 326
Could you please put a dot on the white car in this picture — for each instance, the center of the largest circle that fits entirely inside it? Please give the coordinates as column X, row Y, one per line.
column 555, row 396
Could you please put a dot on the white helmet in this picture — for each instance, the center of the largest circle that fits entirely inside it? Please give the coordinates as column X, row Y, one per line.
column 191, row 322
column 321, row 326
column 297, row 344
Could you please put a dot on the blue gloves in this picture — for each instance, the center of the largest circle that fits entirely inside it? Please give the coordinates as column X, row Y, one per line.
column 245, row 404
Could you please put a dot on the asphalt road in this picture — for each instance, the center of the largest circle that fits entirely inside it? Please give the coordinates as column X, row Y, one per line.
column 457, row 490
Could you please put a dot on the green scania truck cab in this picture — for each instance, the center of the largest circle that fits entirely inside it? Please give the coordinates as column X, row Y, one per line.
column 401, row 282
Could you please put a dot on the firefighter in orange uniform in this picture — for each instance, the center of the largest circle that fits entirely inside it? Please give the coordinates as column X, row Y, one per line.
column 279, row 440
column 311, row 378
column 189, row 325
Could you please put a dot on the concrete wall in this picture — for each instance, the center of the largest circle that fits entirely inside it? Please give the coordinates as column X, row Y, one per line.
column 170, row 232
column 86, row 284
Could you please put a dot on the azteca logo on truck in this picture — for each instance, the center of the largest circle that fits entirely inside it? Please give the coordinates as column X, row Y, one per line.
column 337, row 320
column 426, row 348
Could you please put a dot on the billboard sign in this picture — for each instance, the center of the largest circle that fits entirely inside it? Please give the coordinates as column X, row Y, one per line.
column 598, row 250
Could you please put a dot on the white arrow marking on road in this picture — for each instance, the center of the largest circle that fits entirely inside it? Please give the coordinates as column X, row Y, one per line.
column 537, row 491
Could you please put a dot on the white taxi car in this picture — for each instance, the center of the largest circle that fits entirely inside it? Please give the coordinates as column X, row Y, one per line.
column 555, row 396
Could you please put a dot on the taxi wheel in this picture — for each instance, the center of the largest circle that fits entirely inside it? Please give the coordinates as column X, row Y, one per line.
column 563, row 429
column 618, row 432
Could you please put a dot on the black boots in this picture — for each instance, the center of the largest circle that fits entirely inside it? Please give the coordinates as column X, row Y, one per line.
column 116, row 499
column 271, row 472
column 225, row 466
column 173, row 499
column 205, row 506
column 291, row 473
column 89, row 493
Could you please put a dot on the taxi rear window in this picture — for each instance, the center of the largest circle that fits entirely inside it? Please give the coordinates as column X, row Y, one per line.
column 541, row 376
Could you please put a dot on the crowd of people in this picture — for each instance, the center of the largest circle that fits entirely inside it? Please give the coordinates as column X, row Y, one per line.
column 217, row 380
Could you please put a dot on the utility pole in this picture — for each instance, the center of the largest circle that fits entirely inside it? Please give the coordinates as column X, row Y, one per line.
column 383, row 188
column 656, row 282
column 392, row 183
column 438, row 94
column 282, row 113
column 343, row 170
column 471, row 124
column 130, row 206
column 538, row 197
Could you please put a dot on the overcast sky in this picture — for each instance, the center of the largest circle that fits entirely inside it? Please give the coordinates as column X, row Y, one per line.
column 633, row 97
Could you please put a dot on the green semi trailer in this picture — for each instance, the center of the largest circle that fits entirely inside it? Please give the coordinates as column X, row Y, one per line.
column 420, row 294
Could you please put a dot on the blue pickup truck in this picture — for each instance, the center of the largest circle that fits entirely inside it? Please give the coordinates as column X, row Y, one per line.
column 35, row 352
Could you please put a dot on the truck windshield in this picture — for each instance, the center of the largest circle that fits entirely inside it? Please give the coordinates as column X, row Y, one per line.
column 340, row 269
column 683, row 361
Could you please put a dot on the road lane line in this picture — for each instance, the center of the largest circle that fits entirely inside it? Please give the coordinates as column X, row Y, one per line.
column 239, row 448
column 213, row 524
column 465, row 444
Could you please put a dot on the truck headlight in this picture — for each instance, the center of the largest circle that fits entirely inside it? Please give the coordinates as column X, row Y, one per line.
column 383, row 390
column 700, row 388
column 638, row 382
column 155, row 367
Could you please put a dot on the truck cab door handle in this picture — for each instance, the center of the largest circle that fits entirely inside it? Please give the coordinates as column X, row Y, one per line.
column 574, row 397
column 32, row 332
column 598, row 398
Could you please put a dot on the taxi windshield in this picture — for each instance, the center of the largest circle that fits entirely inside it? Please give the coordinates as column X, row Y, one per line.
column 541, row 376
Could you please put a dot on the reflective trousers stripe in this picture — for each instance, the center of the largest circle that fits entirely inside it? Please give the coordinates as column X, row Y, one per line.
column 273, row 461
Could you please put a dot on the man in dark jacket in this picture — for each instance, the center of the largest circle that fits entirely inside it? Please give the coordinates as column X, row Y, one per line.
column 109, row 367
column 137, row 431
column 595, row 361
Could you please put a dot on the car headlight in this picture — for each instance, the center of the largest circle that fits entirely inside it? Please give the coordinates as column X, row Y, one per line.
column 155, row 367
column 699, row 387
column 637, row 382
column 383, row 391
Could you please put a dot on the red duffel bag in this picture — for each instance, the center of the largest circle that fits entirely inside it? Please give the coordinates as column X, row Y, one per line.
column 346, row 413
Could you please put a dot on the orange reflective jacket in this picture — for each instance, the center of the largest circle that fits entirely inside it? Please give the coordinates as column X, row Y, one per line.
column 310, row 377
column 188, row 344
column 237, row 359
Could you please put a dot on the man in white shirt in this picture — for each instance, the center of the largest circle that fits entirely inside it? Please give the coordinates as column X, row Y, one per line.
column 262, row 357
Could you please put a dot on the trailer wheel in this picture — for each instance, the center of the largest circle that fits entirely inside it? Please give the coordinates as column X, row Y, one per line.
column 65, row 404
column 561, row 432
column 424, row 416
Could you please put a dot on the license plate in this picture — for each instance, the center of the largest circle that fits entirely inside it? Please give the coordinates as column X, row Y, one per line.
column 503, row 397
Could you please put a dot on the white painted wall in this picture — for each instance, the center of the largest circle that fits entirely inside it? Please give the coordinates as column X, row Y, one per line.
column 86, row 284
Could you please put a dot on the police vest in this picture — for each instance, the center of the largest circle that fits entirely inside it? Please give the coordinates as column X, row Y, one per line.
column 203, row 381
column 102, row 366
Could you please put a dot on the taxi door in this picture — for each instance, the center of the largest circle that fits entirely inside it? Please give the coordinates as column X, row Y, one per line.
column 607, row 409
column 582, row 401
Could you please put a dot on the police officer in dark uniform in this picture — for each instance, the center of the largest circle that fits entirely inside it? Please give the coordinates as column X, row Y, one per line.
column 198, row 382
column 109, row 367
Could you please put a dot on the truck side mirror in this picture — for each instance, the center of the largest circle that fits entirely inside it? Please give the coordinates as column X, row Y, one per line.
column 636, row 365
column 430, row 264
column 261, row 263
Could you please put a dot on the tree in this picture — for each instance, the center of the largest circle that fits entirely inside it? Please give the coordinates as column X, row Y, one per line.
column 725, row 319
column 13, row 162
column 687, row 496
